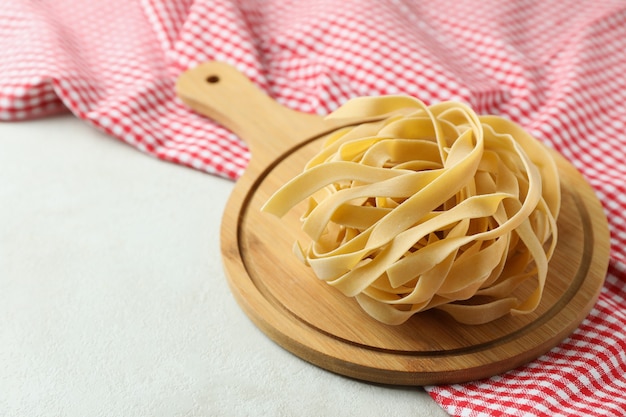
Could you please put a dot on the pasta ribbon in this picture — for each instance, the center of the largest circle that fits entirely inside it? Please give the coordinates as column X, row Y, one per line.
column 432, row 207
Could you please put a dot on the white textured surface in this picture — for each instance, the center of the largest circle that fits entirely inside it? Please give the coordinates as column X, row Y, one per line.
column 113, row 301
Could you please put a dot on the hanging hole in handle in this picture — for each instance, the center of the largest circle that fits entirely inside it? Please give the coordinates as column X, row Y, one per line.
column 212, row 79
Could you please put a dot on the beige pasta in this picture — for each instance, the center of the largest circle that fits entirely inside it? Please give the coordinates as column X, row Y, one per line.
column 430, row 207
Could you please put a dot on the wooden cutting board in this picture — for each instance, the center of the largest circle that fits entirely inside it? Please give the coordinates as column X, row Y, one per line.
column 317, row 323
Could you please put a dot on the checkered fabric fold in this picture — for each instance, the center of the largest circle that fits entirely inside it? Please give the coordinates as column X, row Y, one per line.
column 556, row 67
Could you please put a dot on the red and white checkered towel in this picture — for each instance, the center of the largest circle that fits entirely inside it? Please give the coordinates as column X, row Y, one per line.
column 557, row 67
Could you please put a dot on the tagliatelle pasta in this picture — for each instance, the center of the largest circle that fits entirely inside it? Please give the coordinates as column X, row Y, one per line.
column 430, row 207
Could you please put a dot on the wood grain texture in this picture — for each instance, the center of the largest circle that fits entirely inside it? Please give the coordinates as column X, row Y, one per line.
column 316, row 322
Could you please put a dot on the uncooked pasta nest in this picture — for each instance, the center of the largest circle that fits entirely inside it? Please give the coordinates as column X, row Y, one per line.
column 429, row 207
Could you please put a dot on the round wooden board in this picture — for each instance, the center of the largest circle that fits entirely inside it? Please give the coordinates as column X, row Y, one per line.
column 317, row 323
column 314, row 321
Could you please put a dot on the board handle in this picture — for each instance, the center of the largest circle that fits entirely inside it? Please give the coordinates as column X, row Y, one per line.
column 222, row 93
